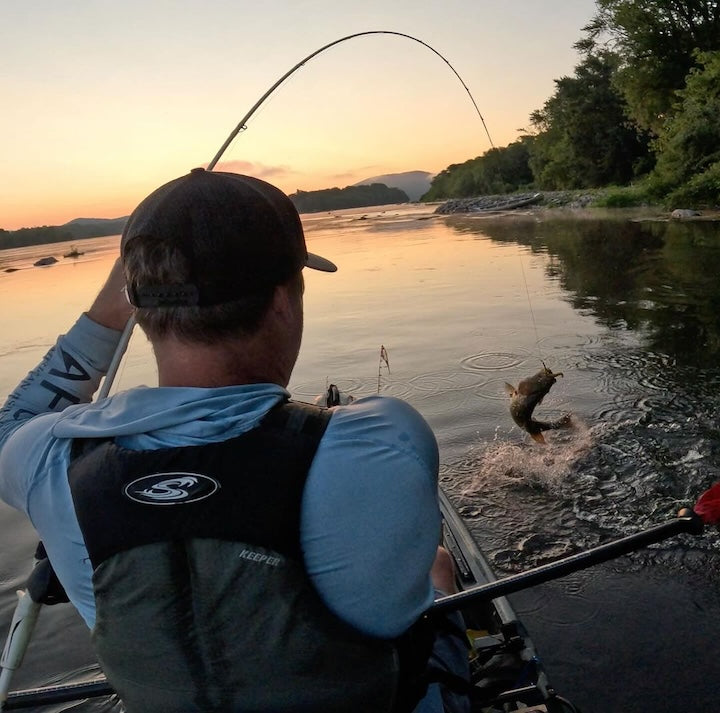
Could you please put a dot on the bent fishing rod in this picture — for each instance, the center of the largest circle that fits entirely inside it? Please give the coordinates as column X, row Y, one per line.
column 28, row 606
column 242, row 123
column 242, row 126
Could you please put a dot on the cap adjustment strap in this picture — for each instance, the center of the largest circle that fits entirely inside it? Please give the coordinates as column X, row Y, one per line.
column 164, row 296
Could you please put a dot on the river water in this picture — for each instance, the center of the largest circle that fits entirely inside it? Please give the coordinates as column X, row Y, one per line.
column 624, row 304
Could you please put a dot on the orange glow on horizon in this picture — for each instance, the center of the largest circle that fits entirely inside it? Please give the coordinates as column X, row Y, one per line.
column 100, row 109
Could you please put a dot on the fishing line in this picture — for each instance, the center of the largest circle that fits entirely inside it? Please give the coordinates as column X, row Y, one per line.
column 532, row 314
column 242, row 126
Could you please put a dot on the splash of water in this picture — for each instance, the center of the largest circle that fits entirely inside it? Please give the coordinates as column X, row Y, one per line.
column 502, row 463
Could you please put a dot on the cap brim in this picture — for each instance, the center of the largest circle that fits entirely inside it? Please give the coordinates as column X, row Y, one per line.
column 320, row 263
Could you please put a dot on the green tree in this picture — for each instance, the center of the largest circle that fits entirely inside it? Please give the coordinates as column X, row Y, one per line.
column 503, row 170
column 499, row 170
column 656, row 41
column 584, row 136
column 348, row 197
column 689, row 145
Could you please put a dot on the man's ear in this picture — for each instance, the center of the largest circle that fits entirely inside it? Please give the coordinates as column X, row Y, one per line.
column 284, row 303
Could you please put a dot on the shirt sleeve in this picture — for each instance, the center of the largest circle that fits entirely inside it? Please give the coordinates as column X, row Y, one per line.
column 70, row 373
column 370, row 518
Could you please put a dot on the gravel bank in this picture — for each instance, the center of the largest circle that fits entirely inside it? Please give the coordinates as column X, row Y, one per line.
column 546, row 199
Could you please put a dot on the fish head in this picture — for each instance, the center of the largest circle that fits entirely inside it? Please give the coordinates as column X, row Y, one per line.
column 539, row 384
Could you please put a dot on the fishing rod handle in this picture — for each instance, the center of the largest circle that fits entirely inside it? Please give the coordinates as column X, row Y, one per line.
column 116, row 359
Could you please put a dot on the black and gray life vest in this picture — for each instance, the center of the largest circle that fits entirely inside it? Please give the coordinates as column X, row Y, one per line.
column 202, row 599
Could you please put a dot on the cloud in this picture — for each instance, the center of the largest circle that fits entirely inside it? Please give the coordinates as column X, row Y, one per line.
column 288, row 178
column 346, row 176
column 259, row 170
column 352, row 175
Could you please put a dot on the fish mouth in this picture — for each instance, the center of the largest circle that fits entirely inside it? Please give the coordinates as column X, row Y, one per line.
column 549, row 373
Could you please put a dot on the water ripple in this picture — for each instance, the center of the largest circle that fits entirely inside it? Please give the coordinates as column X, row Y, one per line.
column 492, row 361
column 444, row 382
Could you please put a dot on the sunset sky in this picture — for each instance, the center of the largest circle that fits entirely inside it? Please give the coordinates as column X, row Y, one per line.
column 104, row 101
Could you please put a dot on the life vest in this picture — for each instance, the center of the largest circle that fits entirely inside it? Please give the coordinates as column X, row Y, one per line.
column 202, row 599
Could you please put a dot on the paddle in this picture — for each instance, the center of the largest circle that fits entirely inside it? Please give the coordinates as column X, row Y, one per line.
column 705, row 512
column 62, row 693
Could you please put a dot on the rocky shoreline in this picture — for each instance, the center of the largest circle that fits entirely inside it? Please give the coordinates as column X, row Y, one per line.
column 505, row 204
column 544, row 199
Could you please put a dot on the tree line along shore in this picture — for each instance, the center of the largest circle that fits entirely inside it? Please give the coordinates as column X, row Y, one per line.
column 638, row 118
column 305, row 201
column 636, row 124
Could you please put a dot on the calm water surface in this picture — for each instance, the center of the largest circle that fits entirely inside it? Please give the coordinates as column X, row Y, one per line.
column 627, row 309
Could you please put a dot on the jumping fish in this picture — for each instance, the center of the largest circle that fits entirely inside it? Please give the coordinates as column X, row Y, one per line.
column 529, row 393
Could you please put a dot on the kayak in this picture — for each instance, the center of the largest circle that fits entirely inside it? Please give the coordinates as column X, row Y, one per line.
column 506, row 672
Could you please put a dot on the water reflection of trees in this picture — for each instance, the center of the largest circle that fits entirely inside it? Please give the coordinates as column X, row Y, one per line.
column 659, row 279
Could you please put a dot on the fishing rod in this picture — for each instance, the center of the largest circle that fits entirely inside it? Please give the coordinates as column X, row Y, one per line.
column 242, row 126
column 242, row 123
column 28, row 605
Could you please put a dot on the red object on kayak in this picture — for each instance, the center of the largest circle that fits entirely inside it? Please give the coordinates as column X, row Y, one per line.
column 708, row 505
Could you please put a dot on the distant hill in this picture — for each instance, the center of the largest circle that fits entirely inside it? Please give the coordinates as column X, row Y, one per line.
column 358, row 196
column 95, row 222
column 414, row 183
column 77, row 229
column 380, row 190
column 95, row 227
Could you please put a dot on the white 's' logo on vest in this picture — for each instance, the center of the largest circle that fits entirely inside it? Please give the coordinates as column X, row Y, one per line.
column 171, row 488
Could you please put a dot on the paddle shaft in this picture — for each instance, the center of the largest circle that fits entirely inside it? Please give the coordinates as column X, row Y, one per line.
column 63, row 693
column 684, row 523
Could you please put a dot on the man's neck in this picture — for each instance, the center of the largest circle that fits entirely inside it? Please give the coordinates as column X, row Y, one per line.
column 226, row 364
column 266, row 356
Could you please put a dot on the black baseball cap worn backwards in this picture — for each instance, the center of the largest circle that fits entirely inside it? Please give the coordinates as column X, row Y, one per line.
column 238, row 234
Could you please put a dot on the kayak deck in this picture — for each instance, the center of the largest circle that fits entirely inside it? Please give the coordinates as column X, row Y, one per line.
column 506, row 671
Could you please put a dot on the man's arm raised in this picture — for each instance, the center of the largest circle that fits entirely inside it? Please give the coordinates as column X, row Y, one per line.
column 71, row 371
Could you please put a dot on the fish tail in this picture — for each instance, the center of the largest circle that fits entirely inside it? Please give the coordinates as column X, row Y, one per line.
column 564, row 422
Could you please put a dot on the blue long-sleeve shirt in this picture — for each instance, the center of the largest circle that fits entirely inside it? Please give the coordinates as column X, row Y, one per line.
column 370, row 521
